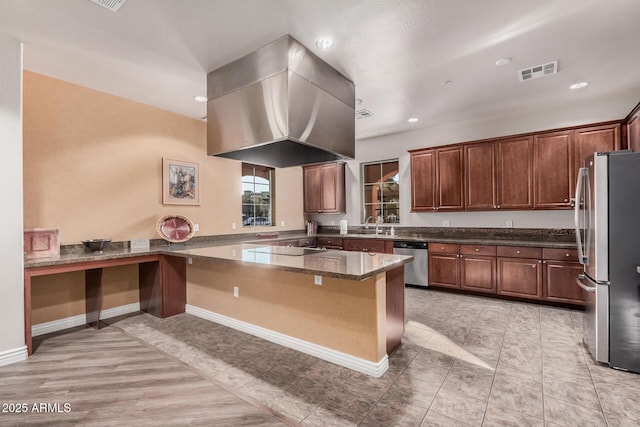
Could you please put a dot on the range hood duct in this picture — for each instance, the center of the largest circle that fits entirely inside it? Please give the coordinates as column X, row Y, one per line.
column 280, row 106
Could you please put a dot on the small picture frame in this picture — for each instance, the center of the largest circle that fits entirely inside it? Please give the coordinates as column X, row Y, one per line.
column 180, row 182
column 41, row 243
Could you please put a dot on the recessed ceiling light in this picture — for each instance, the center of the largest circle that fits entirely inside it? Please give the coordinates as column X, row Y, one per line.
column 200, row 98
column 413, row 120
column 447, row 82
column 503, row 61
column 324, row 42
column 579, row 85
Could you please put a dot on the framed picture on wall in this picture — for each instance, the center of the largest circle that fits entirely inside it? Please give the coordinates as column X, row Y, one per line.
column 180, row 183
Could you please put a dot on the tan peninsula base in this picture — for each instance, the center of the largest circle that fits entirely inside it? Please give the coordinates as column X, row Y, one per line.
column 351, row 323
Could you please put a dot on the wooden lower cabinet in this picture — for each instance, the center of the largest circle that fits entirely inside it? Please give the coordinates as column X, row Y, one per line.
column 329, row 242
column 560, row 282
column 478, row 273
column 525, row 272
column 561, row 267
column 444, row 270
column 368, row 245
column 520, row 277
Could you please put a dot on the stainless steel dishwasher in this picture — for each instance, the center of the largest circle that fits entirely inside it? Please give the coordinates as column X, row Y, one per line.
column 415, row 273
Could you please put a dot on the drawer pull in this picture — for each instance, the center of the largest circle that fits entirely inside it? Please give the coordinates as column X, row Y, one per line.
column 567, row 254
column 517, row 252
column 477, row 250
column 442, row 248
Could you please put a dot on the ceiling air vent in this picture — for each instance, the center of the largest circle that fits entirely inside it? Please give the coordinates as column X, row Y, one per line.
column 112, row 5
column 538, row 71
column 363, row 114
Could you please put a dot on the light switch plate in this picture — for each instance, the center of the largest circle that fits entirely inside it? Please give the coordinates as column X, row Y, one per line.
column 233, row 225
column 196, row 227
column 317, row 280
column 446, row 223
column 509, row 224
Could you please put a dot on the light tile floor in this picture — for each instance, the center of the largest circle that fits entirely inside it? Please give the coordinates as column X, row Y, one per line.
column 464, row 361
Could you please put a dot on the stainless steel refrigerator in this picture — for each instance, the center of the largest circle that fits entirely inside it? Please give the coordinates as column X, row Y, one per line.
column 607, row 216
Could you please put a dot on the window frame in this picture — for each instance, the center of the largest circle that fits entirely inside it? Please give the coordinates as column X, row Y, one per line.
column 380, row 202
column 271, row 206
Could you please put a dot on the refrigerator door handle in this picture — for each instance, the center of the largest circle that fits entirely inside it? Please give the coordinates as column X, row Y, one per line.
column 579, row 187
column 579, row 281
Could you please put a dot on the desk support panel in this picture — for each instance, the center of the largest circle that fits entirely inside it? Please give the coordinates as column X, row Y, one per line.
column 93, row 296
column 163, row 287
column 162, row 281
column 395, row 308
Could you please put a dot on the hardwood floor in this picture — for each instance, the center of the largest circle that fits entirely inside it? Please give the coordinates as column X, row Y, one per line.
column 106, row 377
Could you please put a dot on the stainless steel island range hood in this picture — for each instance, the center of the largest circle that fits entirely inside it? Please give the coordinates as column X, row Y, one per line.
column 280, row 106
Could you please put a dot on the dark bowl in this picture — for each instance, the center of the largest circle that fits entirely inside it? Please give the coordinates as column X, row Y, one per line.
column 95, row 245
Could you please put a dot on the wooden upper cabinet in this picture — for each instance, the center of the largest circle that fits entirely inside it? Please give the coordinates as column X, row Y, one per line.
column 437, row 179
column 480, row 176
column 449, row 178
column 311, row 184
column 515, row 173
column 530, row 171
column 423, row 181
column 324, row 188
column 553, row 169
column 595, row 139
column 633, row 132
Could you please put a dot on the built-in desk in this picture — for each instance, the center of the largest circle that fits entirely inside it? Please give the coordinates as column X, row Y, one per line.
column 162, row 281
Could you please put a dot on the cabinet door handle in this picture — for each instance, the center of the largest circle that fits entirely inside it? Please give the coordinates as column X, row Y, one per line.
column 477, row 250
column 498, row 206
column 566, row 200
column 517, row 252
column 567, row 255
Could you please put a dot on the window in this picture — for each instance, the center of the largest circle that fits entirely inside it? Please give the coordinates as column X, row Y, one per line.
column 257, row 195
column 381, row 191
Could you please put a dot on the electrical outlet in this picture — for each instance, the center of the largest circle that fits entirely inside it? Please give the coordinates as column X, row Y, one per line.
column 196, row 227
column 233, row 225
column 236, row 291
column 509, row 224
column 317, row 280
column 446, row 223
column 190, row 260
column 282, row 223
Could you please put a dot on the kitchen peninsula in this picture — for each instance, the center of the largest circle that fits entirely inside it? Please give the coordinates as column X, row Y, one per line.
column 344, row 307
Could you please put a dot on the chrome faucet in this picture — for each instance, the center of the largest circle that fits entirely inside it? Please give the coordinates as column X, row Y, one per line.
column 366, row 221
column 378, row 222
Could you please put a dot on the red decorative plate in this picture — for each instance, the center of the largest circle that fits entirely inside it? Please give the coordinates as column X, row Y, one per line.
column 175, row 228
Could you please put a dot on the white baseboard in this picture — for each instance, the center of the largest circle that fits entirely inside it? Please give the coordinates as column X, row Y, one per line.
column 81, row 319
column 355, row 363
column 12, row 356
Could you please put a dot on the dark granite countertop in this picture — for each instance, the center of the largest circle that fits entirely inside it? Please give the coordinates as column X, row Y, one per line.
column 551, row 238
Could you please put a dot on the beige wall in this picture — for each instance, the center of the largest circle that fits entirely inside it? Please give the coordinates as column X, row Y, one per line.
column 93, row 169
column 342, row 315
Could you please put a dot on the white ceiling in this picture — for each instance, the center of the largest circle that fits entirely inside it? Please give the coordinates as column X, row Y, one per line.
column 397, row 52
